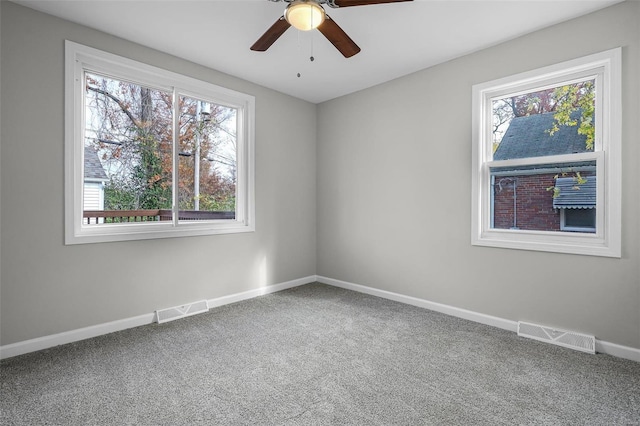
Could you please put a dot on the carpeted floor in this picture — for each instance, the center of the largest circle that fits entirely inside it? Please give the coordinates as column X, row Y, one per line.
column 317, row 355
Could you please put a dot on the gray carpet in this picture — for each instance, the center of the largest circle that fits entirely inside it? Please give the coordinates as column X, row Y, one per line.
column 317, row 355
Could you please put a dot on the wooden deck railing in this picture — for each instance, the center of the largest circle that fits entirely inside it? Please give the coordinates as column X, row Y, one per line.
column 153, row 215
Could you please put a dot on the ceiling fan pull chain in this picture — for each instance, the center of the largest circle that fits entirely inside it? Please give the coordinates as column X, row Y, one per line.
column 311, row 58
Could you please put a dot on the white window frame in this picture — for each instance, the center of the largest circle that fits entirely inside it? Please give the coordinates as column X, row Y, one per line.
column 78, row 59
column 605, row 67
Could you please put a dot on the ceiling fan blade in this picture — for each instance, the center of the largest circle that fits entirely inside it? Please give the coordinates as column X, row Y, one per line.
column 338, row 37
column 347, row 3
column 271, row 35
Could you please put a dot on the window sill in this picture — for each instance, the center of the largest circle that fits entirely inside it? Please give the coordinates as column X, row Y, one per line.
column 103, row 233
column 588, row 244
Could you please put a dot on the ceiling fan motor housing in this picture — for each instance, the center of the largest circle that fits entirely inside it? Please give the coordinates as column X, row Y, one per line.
column 304, row 15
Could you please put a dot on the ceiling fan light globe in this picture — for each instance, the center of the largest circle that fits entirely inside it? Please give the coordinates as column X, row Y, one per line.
column 304, row 15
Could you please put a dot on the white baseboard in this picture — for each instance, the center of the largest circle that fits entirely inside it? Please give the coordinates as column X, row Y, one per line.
column 26, row 346
column 616, row 350
column 45, row 342
column 232, row 298
column 20, row 348
column 421, row 303
column 601, row 346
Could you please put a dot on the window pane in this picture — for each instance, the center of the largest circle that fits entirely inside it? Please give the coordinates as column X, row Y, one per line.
column 533, row 198
column 554, row 121
column 580, row 218
column 128, row 152
column 207, row 160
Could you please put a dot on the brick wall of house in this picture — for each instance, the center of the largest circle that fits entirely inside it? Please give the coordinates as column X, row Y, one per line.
column 534, row 204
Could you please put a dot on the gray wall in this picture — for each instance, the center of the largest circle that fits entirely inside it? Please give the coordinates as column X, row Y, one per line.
column 394, row 186
column 392, row 183
column 49, row 288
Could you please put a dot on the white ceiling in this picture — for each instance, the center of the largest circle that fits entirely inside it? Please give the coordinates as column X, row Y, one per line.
column 396, row 39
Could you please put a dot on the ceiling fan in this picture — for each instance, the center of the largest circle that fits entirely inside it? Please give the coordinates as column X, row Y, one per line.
column 307, row 15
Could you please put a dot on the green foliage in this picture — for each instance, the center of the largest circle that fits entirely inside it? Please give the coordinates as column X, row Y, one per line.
column 579, row 179
column 118, row 195
column 571, row 98
column 147, row 188
column 224, row 203
column 556, row 191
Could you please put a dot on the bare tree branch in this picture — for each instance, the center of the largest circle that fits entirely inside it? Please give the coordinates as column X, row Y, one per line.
column 121, row 104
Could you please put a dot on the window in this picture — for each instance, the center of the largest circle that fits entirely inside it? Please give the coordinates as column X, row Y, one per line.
column 546, row 158
column 152, row 154
column 579, row 220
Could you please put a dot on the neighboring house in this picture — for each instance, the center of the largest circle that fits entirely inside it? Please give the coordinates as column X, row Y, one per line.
column 551, row 198
column 94, row 180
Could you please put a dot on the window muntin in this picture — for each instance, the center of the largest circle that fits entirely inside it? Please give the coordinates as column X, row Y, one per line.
column 134, row 132
column 597, row 76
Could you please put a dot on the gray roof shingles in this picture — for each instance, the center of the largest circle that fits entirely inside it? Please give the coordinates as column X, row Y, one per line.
column 528, row 137
column 92, row 166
